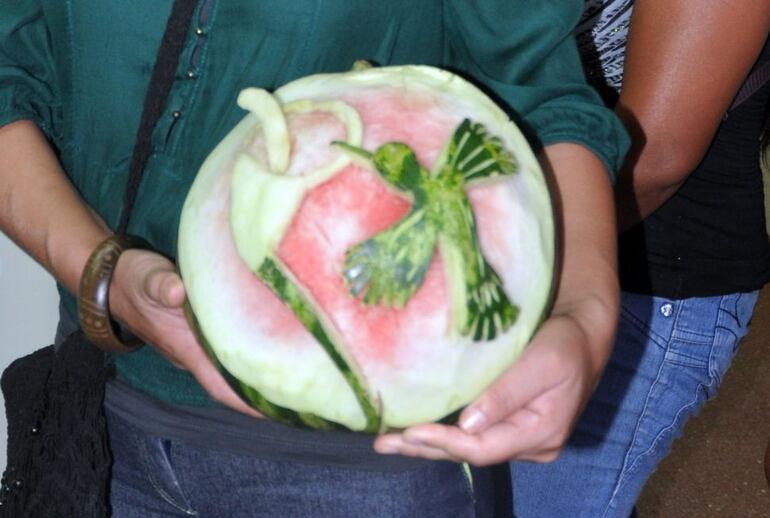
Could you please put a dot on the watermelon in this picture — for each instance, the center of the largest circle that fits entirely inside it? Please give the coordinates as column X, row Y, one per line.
column 367, row 250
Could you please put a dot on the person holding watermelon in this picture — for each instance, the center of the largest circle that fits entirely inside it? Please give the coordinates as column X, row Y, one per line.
column 74, row 77
column 693, row 246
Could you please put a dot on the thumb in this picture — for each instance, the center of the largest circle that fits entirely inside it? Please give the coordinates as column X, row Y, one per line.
column 164, row 287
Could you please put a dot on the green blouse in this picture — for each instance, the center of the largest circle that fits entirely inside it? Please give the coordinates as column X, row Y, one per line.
column 80, row 70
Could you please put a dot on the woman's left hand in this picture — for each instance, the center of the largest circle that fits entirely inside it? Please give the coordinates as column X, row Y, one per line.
column 526, row 414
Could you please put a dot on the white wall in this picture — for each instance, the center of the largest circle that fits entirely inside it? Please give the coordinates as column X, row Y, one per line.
column 28, row 313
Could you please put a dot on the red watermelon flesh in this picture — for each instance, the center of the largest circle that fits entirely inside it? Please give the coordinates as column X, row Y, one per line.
column 409, row 364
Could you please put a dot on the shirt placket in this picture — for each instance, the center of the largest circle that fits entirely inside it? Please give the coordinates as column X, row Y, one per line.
column 190, row 72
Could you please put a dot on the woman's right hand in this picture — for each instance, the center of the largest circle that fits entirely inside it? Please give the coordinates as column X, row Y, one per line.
column 147, row 296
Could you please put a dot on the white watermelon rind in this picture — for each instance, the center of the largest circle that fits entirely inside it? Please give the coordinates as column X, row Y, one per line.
column 320, row 87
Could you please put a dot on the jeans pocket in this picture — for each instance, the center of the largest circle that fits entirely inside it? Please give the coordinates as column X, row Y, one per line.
column 732, row 325
column 142, row 475
column 161, row 474
column 694, row 332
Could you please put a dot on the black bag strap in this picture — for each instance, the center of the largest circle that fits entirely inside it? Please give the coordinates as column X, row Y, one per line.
column 163, row 74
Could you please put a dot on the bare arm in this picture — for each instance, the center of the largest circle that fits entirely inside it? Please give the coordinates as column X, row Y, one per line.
column 529, row 411
column 41, row 211
column 587, row 288
column 685, row 61
column 39, row 208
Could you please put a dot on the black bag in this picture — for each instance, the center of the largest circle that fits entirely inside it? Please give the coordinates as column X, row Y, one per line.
column 58, row 457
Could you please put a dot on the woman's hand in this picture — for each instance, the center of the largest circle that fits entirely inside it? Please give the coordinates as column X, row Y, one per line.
column 527, row 414
column 147, row 295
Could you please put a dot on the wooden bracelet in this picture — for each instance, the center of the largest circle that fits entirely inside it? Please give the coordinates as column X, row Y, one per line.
column 94, row 296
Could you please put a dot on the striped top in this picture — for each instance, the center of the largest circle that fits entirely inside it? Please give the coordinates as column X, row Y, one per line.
column 601, row 36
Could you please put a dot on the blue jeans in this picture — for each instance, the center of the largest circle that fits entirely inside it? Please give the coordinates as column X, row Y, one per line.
column 154, row 477
column 669, row 359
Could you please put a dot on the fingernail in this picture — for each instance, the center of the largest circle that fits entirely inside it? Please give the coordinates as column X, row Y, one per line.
column 387, row 447
column 472, row 421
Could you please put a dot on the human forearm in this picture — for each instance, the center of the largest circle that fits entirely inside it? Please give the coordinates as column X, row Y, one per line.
column 39, row 208
column 587, row 287
column 685, row 61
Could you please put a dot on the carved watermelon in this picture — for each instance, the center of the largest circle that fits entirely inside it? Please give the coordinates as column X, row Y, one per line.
column 367, row 250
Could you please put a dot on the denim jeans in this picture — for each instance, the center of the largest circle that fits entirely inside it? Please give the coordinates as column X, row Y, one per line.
column 669, row 359
column 154, row 477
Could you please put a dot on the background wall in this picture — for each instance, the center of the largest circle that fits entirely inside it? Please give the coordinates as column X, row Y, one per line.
column 28, row 312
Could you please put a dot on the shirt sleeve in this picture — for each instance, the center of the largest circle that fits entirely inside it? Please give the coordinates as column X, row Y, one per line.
column 28, row 86
column 525, row 52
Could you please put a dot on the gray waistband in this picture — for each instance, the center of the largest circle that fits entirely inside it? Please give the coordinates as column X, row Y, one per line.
column 226, row 430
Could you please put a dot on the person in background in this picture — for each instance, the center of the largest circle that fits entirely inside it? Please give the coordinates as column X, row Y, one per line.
column 73, row 76
column 693, row 245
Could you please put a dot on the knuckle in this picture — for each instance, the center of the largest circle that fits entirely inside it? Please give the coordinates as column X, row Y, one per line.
column 485, row 454
column 485, row 461
column 560, row 438
column 217, row 394
column 496, row 400
column 555, row 440
column 475, row 455
column 549, row 456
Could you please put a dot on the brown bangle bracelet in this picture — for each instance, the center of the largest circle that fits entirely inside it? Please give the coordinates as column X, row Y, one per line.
column 94, row 296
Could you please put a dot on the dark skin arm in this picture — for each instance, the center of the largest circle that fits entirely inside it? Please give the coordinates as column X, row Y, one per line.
column 685, row 61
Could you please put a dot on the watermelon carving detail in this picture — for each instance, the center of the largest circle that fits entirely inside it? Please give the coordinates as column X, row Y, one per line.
column 367, row 250
column 390, row 266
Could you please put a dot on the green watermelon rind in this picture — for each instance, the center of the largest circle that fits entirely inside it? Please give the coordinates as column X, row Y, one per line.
column 272, row 275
